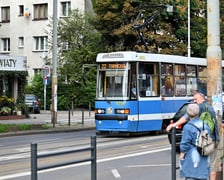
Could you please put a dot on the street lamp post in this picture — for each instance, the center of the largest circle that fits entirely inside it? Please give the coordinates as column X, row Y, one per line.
column 54, row 63
column 189, row 29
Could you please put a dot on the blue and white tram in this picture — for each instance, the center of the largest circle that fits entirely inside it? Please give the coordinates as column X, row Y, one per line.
column 138, row 92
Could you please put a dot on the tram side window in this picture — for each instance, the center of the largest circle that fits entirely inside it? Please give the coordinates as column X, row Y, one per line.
column 148, row 79
column 133, row 85
column 191, row 80
column 202, row 79
column 180, row 80
column 166, row 79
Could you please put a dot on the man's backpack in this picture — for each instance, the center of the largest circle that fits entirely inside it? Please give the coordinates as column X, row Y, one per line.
column 208, row 119
column 204, row 144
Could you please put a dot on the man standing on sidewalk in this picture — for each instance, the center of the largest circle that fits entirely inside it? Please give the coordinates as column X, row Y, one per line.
column 199, row 98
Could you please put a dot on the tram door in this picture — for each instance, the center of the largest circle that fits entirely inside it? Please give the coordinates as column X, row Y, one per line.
column 149, row 105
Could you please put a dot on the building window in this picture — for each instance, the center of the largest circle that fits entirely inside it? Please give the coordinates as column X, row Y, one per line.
column 40, row 11
column 5, row 44
column 21, row 10
column 21, row 42
column 66, row 8
column 5, row 14
column 41, row 43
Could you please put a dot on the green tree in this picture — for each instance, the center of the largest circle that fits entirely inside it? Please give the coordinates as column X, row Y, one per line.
column 167, row 34
column 79, row 44
column 198, row 25
column 37, row 87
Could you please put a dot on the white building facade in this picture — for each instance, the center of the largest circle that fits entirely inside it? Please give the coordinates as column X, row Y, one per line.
column 24, row 25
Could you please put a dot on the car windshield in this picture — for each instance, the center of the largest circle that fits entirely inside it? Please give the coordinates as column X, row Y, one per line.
column 30, row 97
column 181, row 111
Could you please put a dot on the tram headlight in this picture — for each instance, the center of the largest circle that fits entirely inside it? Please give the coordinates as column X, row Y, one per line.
column 122, row 111
column 100, row 111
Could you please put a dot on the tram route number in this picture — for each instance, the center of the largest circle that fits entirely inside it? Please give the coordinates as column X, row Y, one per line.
column 113, row 66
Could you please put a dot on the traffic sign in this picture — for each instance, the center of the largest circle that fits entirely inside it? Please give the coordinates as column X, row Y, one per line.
column 46, row 80
column 46, row 71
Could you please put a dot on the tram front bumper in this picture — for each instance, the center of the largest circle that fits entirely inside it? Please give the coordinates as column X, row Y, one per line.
column 111, row 117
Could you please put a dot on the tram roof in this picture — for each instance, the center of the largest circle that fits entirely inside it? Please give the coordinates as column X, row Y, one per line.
column 131, row 56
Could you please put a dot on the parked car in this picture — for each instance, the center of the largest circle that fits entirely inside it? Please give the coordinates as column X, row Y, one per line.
column 33, row 103
column 180, row 112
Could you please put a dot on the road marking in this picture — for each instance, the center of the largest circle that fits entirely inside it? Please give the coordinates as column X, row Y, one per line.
column 16, row 156
column 14, row 175
column 149, row 165
column 134, row 154
column 85, row 163
column 25, row 149
column 27, row 154
column 116, row 173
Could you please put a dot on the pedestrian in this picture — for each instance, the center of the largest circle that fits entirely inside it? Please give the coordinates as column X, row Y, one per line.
column 199, row 98
column 193, row 166
column 167, row 88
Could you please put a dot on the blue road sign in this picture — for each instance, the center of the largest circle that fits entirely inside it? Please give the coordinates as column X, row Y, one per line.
column 46, row 81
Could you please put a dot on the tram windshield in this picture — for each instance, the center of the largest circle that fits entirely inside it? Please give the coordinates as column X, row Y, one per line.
column 112, row 82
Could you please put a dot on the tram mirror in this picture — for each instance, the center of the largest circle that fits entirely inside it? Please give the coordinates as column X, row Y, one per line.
column 142, row 76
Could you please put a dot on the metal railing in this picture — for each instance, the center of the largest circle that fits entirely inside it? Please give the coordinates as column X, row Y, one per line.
column 83, row 115
column 35, row 156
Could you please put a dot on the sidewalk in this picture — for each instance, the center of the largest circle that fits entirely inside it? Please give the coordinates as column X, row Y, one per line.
column 79, row 120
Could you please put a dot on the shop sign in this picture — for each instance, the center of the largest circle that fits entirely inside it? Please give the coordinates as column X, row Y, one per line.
column 13, row 63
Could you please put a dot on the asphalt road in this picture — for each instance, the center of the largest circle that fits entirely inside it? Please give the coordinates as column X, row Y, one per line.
column 141, row 157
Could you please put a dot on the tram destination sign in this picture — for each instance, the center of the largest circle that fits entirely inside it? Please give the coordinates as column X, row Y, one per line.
column 113, row 66
column 13, row 63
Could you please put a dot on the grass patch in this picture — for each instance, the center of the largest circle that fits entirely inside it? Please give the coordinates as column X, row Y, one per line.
column 21, row 127
column 7, row 127
column 45, row 126
column 3, row 128
column 24, row 127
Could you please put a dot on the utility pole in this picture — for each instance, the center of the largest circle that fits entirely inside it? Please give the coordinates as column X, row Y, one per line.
column 54, row 63
column 214, row 73
column 189, row 28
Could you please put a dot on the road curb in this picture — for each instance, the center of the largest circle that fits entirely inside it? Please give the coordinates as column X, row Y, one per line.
column 46, row 131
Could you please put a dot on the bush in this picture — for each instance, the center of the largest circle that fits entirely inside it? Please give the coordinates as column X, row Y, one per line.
column 7, row 105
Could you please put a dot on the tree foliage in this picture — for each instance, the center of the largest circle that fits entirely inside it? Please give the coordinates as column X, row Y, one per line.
column 79, row 44
column 167, row 33
column 37, row 88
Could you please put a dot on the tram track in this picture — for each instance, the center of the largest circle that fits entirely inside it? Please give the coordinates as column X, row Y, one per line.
column 17, row 158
